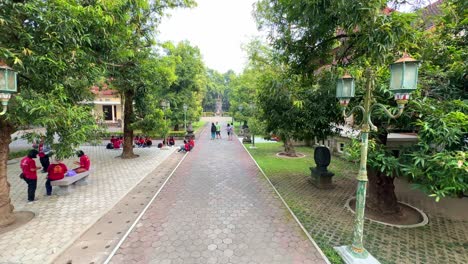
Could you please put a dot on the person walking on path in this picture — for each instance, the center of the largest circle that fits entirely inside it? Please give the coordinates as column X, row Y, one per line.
column 29, row 175
column 55, row 172
column 229, row 131
column 218, row 130
column 213, row 131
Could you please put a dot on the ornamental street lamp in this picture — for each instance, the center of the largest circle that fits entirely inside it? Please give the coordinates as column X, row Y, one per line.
column 253, row 107
column 403, row 80
column 165, row 105
column 185, row 116
column 7, row 85
column 240, row 107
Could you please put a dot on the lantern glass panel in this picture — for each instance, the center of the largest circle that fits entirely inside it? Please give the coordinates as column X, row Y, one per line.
column 396, row 79
column 339, row 89
column 410, row 76
column 11, row 84
column 3, row 80
column 345, row 88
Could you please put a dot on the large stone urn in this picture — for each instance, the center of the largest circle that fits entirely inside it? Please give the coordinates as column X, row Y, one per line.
column 320, row 176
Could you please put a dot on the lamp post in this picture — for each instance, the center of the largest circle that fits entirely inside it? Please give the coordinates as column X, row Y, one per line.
column 165, row 105
column 185, row 116
column 253, row 107
column 240, row 107
column 403, row 80
column 7, row 85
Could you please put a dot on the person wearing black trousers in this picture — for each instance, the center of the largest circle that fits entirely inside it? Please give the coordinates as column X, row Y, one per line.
column 29, row 175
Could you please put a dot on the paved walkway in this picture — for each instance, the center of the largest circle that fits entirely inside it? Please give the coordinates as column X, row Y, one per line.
column 217, row 208
column 60, row 220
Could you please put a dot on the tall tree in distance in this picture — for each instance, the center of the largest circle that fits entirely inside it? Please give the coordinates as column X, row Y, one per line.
column 132, row 32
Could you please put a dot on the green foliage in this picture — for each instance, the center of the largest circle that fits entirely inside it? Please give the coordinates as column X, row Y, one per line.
column 310, row 34
column 187, row 86
column 439, row 164
column 18, row 154
column 218, row 85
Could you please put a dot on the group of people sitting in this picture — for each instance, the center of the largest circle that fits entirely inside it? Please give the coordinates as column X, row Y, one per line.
column 115, row 143
column 55, row 171
column 188, row 145
column 142, row 142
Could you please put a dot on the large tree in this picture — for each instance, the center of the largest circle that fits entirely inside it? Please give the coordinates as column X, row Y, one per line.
column 358, row 34
column 133, row 34
column 190, row 79
column 293, row 106
column 50, row 45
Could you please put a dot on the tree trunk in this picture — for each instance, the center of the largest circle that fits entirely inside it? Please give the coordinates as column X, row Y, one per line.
column 176, row 127
column 6, row 208
column 382, row 197
column 289, row 148
column 127, row 152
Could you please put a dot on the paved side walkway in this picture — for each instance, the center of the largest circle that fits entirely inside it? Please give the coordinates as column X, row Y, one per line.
column 60, row 220
column 217, row 208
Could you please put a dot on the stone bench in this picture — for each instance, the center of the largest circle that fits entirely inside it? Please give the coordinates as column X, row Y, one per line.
column 65, row 183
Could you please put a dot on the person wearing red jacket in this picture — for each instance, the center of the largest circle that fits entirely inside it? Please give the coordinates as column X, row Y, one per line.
column 84, row 162
column 28, row 166
column 55, row 172
column 191, row 143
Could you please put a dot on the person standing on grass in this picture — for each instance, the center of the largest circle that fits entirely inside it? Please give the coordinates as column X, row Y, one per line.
column 29, row 175
column 55, row 172
column 218, row 130
column 213, row 131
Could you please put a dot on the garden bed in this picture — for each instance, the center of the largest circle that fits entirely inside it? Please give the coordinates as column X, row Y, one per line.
column 329, row 222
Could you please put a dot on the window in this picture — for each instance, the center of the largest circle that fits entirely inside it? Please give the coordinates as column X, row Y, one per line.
column 341, row 146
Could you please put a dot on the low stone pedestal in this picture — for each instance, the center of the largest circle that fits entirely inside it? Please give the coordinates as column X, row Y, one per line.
column 320, row 176
column 321, row 179
column 190, row 134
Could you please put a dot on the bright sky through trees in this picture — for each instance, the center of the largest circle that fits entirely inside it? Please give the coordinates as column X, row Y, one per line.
column 217, row 27
column 220, row 27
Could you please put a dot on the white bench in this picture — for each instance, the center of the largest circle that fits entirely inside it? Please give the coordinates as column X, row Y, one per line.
column 65, row 183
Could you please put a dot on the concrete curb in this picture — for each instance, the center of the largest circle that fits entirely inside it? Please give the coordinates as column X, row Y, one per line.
column 424, row 222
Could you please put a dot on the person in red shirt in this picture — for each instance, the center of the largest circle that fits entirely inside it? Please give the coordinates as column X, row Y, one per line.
column 84, row 162
column 28, row 166
column 43, row 157
column 117, row 143
column 141, row 142
column 191, row 143
column 55, row 172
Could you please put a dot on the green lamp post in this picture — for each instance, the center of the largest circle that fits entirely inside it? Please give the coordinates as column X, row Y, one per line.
column 165, row 106
column 7, row 85
column 185, row 116
column 403, row 80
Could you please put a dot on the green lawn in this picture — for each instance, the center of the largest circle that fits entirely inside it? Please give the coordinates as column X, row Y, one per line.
column 197, row 125
column 17, row 154
column 265, row 157
column 290, row 175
